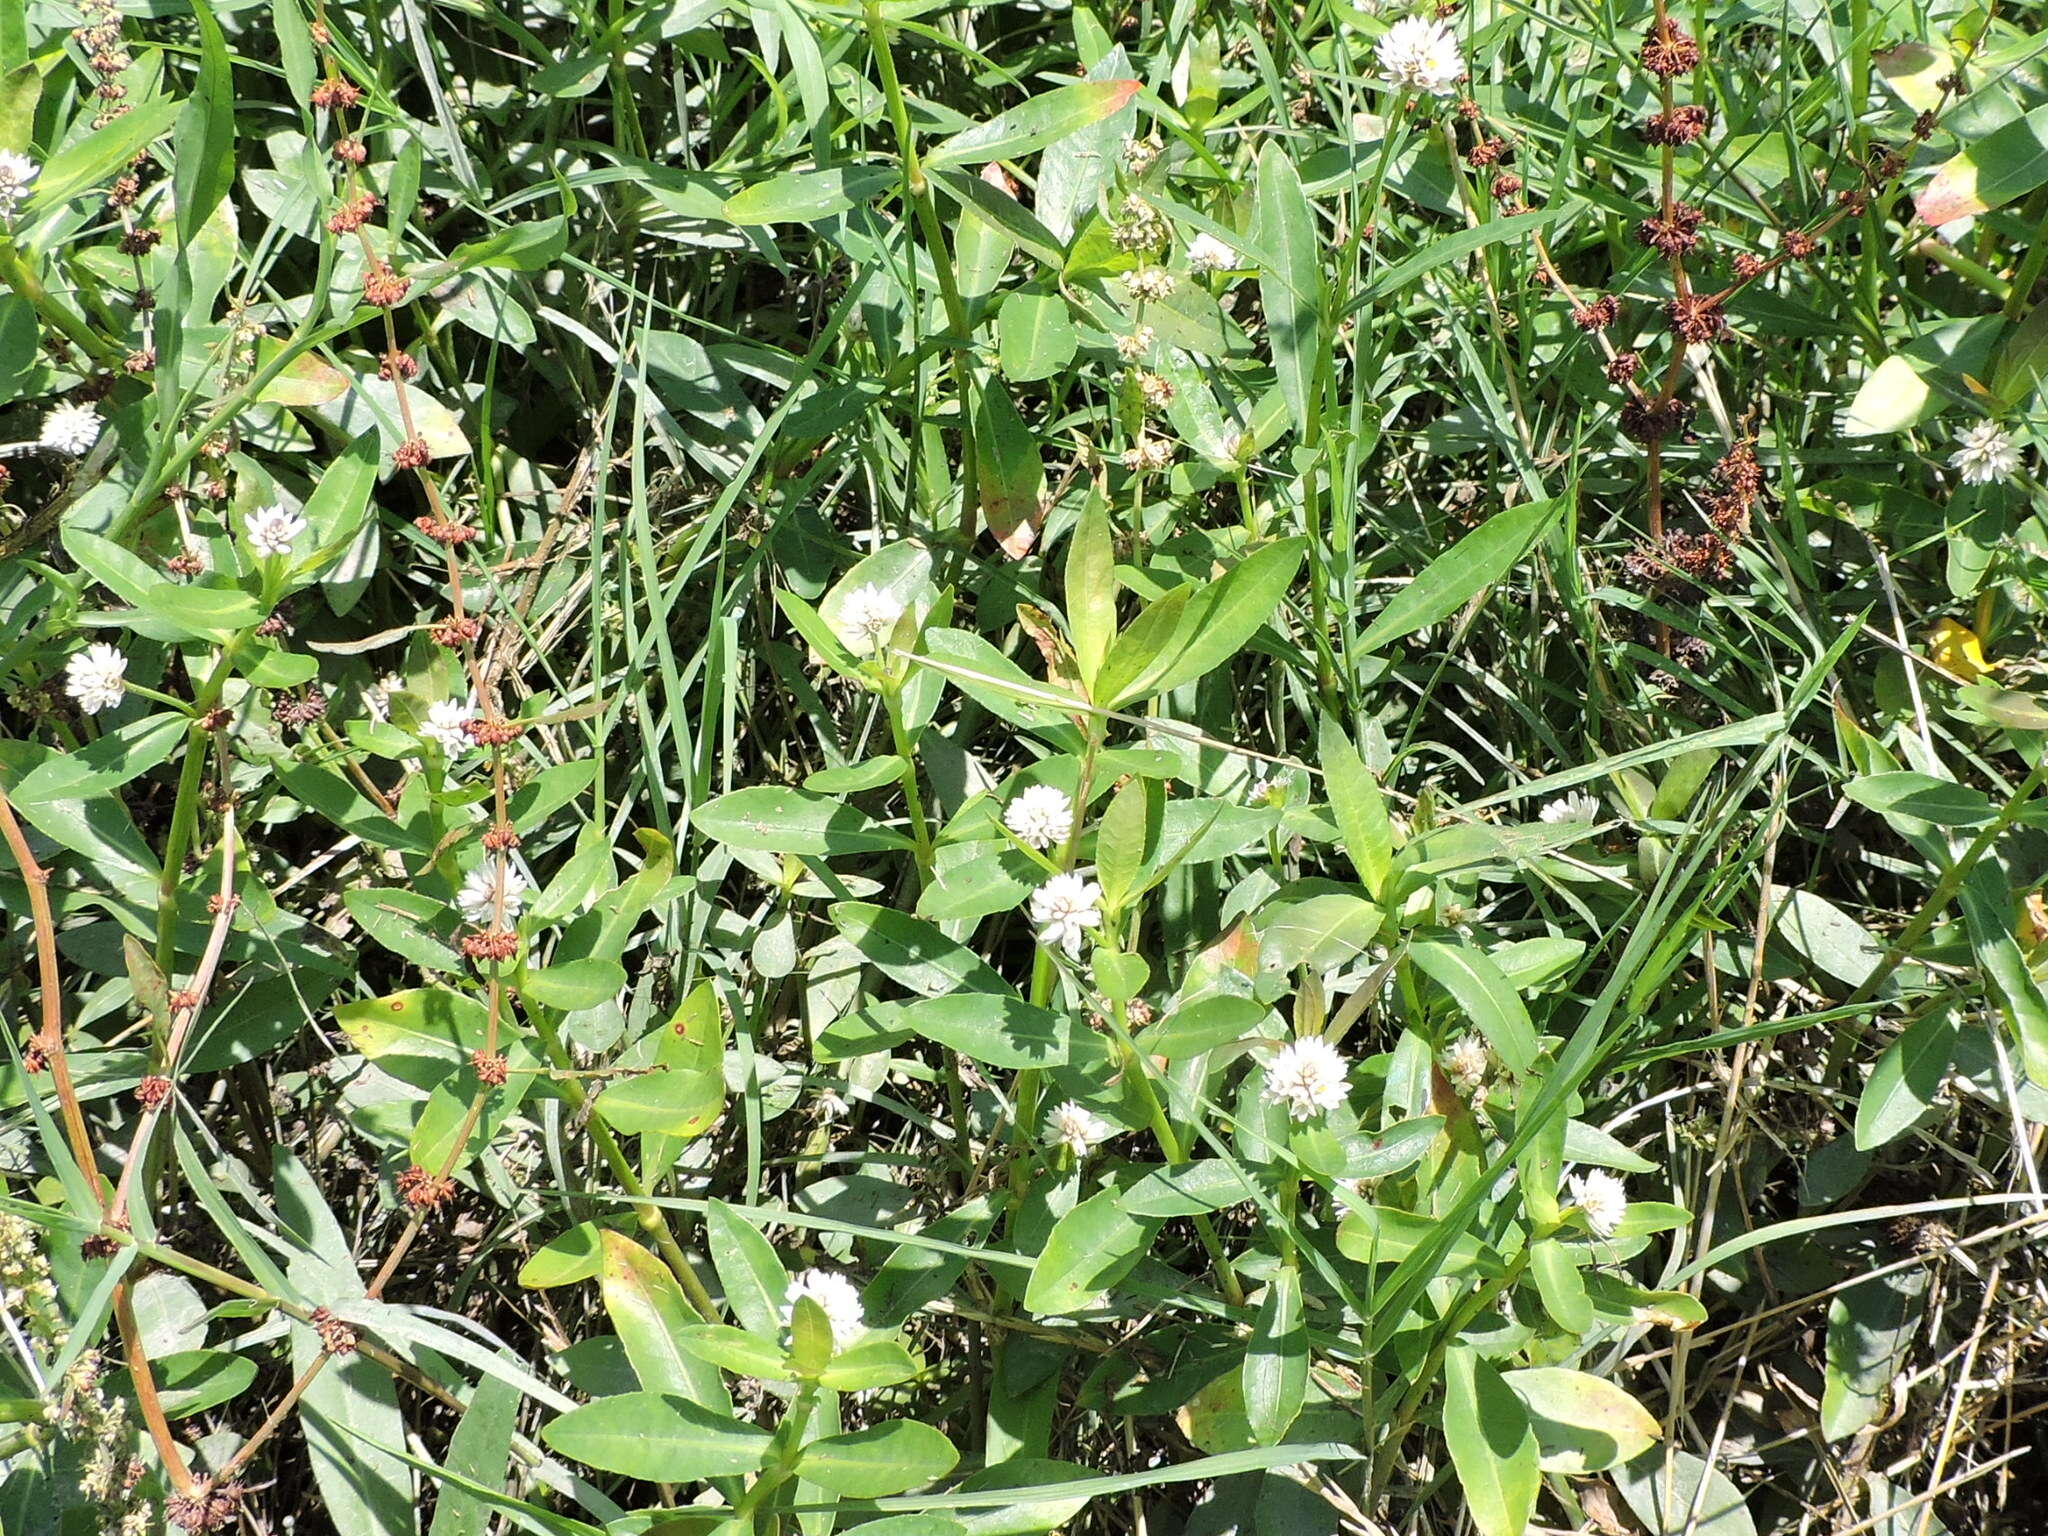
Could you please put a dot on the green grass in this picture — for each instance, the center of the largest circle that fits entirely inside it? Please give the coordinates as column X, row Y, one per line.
column 1630, row 774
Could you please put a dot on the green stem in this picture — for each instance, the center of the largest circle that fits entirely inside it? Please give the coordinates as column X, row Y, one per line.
column 167, row 464
column 1137, row 1071
column 1426, row 1374
column 1949, row 884
column 21, row 278
column 185, row 810
column 913, row 802
column 1964, row 267
column 788, row 1445
column 650, row 1216
column 918, row 193
column 2030, row 271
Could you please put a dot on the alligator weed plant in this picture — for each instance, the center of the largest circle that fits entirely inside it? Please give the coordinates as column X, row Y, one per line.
column 836, row 766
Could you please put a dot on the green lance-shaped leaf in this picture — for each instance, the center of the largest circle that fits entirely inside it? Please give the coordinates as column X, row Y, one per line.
column 658, row 1437
column 1483, row 994
column 684, row 1092
column 1999, row 167
column 649, row 1314
column 1290, row 281
column 1583, row 1423
column 1275, row 1370
column 880, row 1460
column 804, row 197
column 769, row 818
column 1090, row 1248
column 1493, row 1448
column 205, row 167
column 1039, row 122
column 1461, row 572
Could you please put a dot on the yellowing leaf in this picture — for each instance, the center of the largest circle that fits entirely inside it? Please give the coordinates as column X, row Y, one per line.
column 1958, row 652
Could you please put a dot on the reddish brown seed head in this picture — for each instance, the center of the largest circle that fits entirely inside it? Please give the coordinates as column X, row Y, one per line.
column 490, row 944
column 1696, row 318
column 384, row 288
column 336, row 1336
column 1668, row 51
column 422, row 1190
column 496, row 732
column 1674, row 234
column 335, row 93
column 1651, row 421
column 453, row 632
column 1598, row 314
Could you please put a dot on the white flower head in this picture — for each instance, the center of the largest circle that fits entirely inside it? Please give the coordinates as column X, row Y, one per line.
column 1064, row 908
column 1576, row 806
column 867, row 617
column 1076, row 1129
column 1308, row 1076
column 1985, row 454
column 1466, row 1061
column 1134, row 346
column 1422, row 55
column 1041, row 816
column 377, row 697
column 1601, row 1199
column 478, row 898
column 71, row 429
column 93, row 678
column 840, row 1298
column 1153, row 283
column 448, row 723
column 16, row 172
column 1206, row 253
column 272, row 530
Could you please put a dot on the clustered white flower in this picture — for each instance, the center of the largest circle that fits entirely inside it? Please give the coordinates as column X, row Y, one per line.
column 70, row 429
column 1984, row 454
column 1308, row 1076
column 1065, row 908
column 377, row 697
column 93, row 678
column 448, row 723
column 836, row 1294
column 1422, row 55
column 867, row 616
column 26, row 1290
column 1134, row 346
column 1149, row 283
column 1207, row 253
column 1041, row 816
column 1077, row 1129
column 1576, row 806
column 272, row 530
column 478, row 898
column 16, row 172
column 1149, row 453
column 1601, row 1198
column 1466, row 1061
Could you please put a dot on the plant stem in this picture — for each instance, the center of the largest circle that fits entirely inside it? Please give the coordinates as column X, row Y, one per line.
column 1949, row 884
column 185, row 812
column 1138, row 1071
column 917, row 192
column 913, row 802
column 650, row 1216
